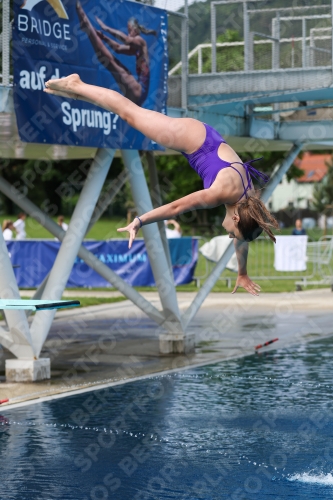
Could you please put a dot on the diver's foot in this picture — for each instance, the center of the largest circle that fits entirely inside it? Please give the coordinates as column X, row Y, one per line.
column 102, row 25
column 83, row 18
column 70, row 84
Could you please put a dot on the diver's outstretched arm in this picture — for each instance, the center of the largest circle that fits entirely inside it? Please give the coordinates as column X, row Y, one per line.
column 243, row 281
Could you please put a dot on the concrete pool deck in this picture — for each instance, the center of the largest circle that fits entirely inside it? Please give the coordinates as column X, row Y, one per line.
column 114, row 342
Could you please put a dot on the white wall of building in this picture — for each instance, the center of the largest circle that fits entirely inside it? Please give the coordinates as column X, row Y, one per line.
column 287, row 193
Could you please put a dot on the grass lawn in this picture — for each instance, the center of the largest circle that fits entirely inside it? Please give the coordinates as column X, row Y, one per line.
column 104, row 229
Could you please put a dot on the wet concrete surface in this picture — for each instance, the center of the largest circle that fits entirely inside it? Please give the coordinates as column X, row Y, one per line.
column 113, row 342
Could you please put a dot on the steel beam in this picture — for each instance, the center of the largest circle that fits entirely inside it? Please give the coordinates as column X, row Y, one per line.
column 100, row 208
column 184, row 48
column 107, row 197
column 18, row 340
column 222, row 263
column 276, row 42
column 332, row 38
column 281, row 171
column 157, row 258
column 240, row 85
column 71, row 243
column 304, row 61
column 213, row 35
column 89, row 258
column 248, row 40
column 156, row 199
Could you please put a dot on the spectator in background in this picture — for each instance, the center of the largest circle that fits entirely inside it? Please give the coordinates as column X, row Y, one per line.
column 19, row 226
column 176, row 232
column 298, row 230
column 61, row 223
column 8, row 229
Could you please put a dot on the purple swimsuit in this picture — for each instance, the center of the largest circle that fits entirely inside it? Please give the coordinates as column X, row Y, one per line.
column 206, row 162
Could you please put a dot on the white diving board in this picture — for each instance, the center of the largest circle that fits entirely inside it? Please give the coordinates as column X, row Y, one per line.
column 37, row 305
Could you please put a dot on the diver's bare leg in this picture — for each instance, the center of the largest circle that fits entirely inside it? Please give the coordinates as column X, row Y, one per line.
column 181, row 134
column 128, row 85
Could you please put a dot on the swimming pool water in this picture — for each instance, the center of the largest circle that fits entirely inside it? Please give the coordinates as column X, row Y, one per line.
column 260, row 427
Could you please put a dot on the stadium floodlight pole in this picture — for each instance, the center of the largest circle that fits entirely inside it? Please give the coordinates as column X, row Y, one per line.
column 222, row 263
column 6, row 28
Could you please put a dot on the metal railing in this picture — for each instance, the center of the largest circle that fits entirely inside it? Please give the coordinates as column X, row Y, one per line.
column 320, row 253
column 309, row 59
column 302, row 51
column 261, row 264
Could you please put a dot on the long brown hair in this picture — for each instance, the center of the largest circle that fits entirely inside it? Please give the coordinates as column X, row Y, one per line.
column 6, row 224
column 254, row 218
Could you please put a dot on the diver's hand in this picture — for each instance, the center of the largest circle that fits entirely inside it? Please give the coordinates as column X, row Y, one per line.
column 244, row 281
column 133, row 229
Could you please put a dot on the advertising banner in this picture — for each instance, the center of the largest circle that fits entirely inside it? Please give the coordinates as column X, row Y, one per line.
column 35, row 259
column 120, row 45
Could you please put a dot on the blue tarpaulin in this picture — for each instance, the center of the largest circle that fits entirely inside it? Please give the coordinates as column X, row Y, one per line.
column 35, row 259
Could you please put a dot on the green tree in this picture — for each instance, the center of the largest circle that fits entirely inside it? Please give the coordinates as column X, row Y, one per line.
column 227, row 59
column 323, row 191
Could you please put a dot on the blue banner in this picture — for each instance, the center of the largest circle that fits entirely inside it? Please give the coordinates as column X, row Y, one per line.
column 35, row 259
column 120, row 45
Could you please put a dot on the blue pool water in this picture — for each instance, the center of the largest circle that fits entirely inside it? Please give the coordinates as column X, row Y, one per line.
column 254, row 428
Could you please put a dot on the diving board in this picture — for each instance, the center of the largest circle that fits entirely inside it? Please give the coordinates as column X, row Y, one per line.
column 37, row 305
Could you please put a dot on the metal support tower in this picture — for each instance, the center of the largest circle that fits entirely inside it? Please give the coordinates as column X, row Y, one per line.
column 71, row 243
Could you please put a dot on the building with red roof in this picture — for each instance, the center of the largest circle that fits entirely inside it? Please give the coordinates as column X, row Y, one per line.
column 314, row 166
column 298, row 192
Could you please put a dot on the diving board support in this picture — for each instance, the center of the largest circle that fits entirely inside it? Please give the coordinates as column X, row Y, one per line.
column 88, row 257
column 72, row 241
column 175, row 341
column 18, row 339
column 100, row 208
column 281, row 171
column 156, row 199
column 222, row 263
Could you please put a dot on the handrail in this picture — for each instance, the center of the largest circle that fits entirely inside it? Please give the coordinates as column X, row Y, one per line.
column 201, row 46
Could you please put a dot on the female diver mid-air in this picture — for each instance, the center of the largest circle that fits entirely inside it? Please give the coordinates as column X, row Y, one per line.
column 226, row 179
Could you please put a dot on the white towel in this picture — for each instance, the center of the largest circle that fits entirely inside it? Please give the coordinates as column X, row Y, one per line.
column 215, row 248
column 290, row 253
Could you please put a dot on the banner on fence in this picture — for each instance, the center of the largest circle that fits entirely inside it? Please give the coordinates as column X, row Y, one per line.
column 35, row 259
column 115, row 44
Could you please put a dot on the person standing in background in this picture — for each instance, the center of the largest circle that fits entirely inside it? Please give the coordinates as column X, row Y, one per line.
column 176, row 232
column 7, row 229
column 298, row 230
column 61, row 223
column 19, row 226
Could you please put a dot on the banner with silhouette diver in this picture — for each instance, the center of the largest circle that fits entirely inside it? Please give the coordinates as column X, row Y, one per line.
column 120, row 45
